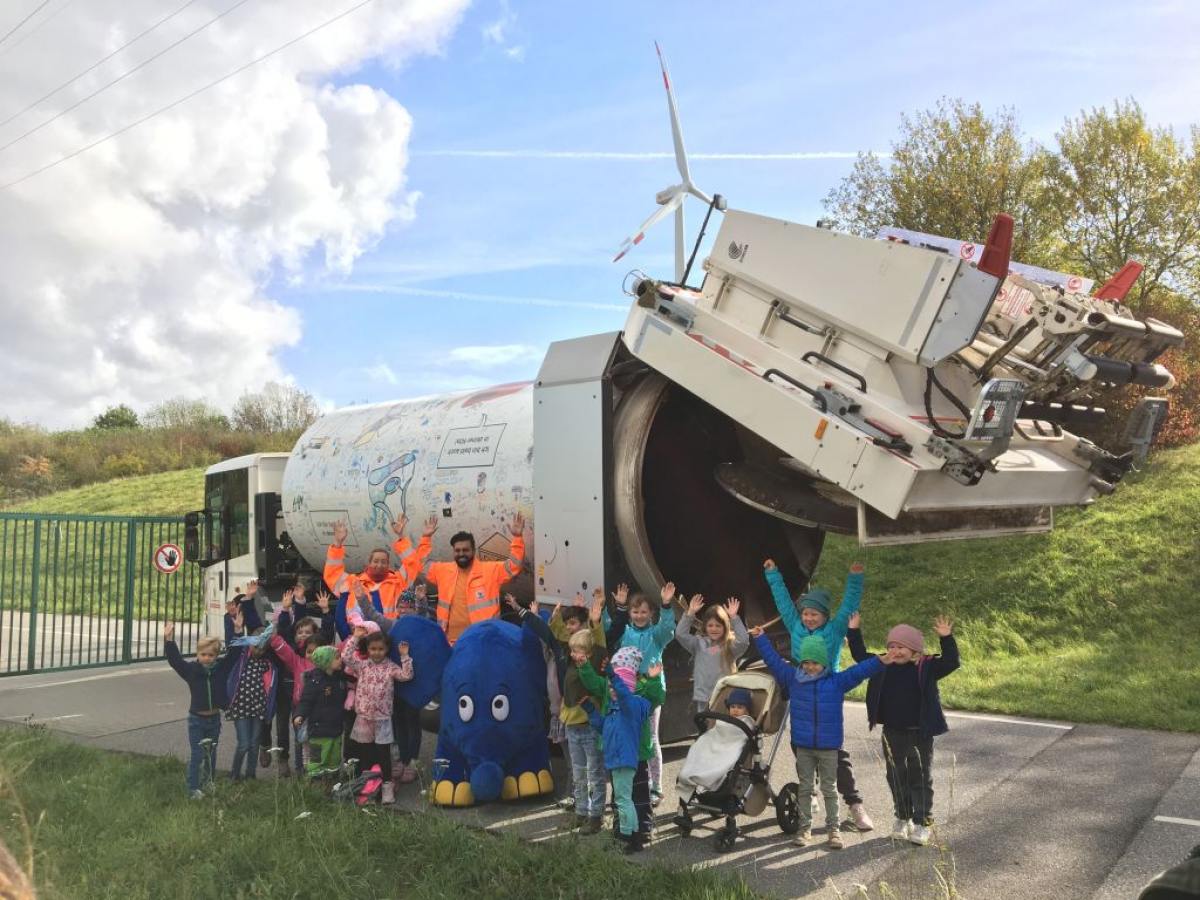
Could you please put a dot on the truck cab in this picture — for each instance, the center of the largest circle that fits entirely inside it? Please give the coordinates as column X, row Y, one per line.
column 234, row 537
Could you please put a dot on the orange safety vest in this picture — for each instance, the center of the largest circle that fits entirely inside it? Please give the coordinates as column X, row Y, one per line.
column 394, row 583
column 483, row 582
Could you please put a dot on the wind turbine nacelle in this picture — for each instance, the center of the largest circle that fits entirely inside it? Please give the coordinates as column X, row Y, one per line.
column 664, row 196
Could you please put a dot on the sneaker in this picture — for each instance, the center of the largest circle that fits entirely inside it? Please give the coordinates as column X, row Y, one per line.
column 803, row 838
column 389, row 793
column 566, row 803
column 834, row 841
column 900, row 829
column 633, row 843
column 196, row 795
column 858, row 815
column 656, row 797
column 407, row 775
column 264, row 758
column 580, row 822
column 919, row 835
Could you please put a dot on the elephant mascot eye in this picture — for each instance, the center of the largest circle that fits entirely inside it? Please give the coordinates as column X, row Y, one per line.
column 500, row 707
column 466, row 708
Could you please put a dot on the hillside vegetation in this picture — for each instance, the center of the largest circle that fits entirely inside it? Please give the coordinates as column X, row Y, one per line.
column 162, row 494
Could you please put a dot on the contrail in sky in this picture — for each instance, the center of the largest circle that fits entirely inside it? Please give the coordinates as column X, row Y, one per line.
column 476, row 298
column 637, row 157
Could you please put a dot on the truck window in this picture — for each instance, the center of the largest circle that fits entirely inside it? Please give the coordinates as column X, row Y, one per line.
column 227, row 497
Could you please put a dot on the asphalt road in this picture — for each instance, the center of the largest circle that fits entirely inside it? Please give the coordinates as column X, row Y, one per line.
column 1027, row 808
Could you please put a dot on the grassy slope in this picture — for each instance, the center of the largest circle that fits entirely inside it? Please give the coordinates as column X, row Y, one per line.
column 1095, row 622
column 112, row 825
column 164, row 494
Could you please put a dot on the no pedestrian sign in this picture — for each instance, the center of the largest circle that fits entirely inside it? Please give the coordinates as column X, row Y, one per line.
column 168, row 558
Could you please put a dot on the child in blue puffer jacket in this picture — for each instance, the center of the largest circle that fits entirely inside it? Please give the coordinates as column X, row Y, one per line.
column 816, row 694
column 809, row 616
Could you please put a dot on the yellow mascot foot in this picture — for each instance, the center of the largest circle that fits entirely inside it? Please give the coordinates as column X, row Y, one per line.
column 545, row 782
column 529, row 784
column 448, row 793
column 509, row 789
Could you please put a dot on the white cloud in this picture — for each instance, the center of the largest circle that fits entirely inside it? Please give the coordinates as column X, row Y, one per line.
column 501, row 32
column 136, row 271
column 796, row 156
column 486, row 357
column 381, row 372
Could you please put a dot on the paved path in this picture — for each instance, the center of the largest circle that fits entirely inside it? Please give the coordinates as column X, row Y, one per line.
column 1028, row 808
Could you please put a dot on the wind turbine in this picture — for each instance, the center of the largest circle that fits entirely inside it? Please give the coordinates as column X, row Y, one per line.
column 670, row 199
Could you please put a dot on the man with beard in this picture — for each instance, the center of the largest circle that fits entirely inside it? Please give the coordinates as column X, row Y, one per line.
column 468, row 589
column 378, row 578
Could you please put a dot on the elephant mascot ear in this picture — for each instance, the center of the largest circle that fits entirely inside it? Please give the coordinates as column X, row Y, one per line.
column 429, row 649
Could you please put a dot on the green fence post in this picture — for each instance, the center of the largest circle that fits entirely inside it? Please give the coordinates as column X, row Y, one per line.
column 33, row 594
column 130, row 561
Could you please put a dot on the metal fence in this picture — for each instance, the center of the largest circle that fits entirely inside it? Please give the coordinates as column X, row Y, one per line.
column 79, row 591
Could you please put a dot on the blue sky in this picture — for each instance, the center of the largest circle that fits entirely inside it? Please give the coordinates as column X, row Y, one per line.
column 511, row 253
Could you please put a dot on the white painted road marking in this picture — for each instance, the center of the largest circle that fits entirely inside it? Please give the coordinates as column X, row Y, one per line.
column 1173, row 820
column 1008, row 721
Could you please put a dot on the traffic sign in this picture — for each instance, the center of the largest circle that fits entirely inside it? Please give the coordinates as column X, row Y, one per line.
column 168, row 558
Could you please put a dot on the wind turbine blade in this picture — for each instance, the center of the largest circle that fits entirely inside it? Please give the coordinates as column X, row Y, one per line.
column 680, row 154
column 659, row 214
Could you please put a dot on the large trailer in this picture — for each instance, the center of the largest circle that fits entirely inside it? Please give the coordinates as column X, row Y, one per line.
column 813, row 382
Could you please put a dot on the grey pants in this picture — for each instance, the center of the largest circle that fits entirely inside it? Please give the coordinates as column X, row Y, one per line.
column 820, row 765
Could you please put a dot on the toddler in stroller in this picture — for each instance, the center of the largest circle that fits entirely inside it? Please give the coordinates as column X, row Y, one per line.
column 725, row 774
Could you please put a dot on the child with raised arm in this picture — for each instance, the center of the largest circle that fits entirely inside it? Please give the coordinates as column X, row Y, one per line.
column 620, row 726
column 809, row 616
column 716, row 649
column 206, row 679
column 252, row 687
column 373, row 696
column 650, row 638
column 905, row 701
column 815, row 696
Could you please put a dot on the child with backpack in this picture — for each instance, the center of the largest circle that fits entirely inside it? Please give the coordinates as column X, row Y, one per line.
column 904, row 700
column 815, row 695
column 206, row 678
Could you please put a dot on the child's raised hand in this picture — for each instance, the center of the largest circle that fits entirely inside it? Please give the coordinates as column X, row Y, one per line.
column 756, row 631
column 239, row 621
column 597, row 609
column 732, row 605
column 667, row 593
column 402, row 648
column 655, row 670
column 324, row 598
column 943, row 626
column 535, row 607
column 621, row 594
column 359, row 631
column 288, row 596
column 857, row 568
column 169, row 631
column 769, row 565
column 696, row 604
column 855, row 620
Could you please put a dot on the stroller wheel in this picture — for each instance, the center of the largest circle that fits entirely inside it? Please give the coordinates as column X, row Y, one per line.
column 787, row 808
column 683, row 823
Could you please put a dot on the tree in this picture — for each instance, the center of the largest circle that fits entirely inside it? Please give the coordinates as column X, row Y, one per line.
column 180, row 412
column 952, row 170
column 1122, row 190
column 276, row 408
column 120, row 416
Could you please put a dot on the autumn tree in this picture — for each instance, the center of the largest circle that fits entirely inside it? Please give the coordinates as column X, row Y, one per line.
column 952, row 169
column 276, row 408
column 180, row 412
column 120, row 416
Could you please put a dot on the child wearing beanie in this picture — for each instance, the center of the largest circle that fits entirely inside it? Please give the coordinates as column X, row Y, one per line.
column 322, row 708
column 809, row 616
column 904, row 700
column 716, row 750
column 815, row 695
column 620, row 727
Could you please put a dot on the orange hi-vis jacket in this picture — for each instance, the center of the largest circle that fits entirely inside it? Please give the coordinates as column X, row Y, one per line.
column 393, row 585
column 483, row 582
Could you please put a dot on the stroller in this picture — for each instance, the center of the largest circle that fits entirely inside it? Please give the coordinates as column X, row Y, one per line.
column 745, row 788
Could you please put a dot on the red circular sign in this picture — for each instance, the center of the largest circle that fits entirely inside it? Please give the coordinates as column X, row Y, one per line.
column 1074, row 283
column 966, row 251
column 168, row 558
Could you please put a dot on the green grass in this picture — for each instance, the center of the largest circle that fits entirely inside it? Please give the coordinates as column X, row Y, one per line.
column 163, row 494
column 1095, row 622
column 112, row 825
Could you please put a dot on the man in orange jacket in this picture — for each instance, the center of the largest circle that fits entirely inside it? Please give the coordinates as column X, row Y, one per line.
column 378, row 575
column 468, row 589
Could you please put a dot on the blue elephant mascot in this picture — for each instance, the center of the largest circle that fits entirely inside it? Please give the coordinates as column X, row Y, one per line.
column 493, row 698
